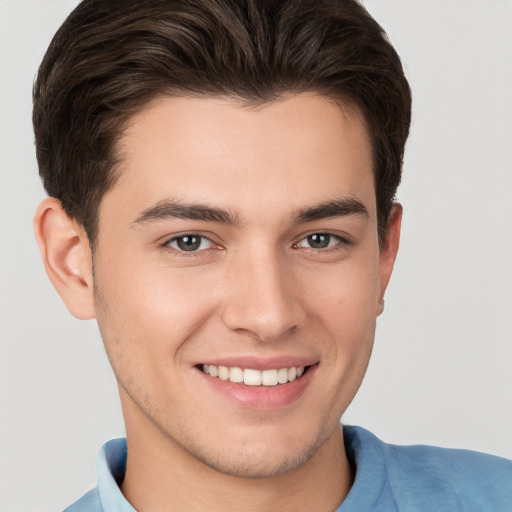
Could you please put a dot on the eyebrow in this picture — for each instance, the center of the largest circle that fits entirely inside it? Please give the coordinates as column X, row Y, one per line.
column 172, row 209
column 339, row 208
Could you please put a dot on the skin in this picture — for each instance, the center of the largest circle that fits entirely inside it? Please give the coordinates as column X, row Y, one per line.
column 255, row 288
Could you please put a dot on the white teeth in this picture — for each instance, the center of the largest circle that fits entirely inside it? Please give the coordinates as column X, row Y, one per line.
column 223, row 373
column 282, row 375
column 252, row 377
column 269, row 377
column 236, row 374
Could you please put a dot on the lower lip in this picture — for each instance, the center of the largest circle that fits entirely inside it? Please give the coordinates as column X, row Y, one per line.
column 261, row 397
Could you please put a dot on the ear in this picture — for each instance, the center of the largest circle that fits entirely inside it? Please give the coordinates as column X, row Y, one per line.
column 389, row 250
column 66, row 256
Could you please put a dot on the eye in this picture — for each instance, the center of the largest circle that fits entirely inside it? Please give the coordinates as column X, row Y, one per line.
column 319, row 241
column 190, row 243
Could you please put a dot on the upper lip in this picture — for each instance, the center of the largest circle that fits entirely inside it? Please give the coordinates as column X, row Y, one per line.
column 261, row 363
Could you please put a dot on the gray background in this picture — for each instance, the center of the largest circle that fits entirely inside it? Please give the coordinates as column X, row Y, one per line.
column 441, row 370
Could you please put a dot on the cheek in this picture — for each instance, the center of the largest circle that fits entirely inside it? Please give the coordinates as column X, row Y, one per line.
column 347, row 297
column 150, row 311
column 347, row 312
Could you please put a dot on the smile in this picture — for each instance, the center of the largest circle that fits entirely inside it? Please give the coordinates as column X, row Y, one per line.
column 251, row 377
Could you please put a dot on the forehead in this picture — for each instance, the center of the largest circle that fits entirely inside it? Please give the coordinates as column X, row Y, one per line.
column 275, row 157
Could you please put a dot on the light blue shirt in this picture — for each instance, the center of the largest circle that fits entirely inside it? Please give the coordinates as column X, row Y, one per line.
column 388, row 479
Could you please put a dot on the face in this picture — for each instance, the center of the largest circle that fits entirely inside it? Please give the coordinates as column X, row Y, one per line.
column 238, row 277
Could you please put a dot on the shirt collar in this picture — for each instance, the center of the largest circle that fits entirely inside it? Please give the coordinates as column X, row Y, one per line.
column 364, row 450
column 110, row 468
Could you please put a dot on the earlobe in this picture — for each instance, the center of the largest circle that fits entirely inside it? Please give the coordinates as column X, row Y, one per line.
column 66, row 256
column 389, row 251
column 380, row 307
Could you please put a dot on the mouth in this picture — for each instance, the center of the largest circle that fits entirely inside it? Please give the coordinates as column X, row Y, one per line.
column 253, row 377
column 259, row 383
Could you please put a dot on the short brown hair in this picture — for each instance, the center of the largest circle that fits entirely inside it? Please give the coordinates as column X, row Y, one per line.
column 110, row 58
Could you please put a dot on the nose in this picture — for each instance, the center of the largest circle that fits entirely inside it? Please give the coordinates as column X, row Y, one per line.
column 262, row 297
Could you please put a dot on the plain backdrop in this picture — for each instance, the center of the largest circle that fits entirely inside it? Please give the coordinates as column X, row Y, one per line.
column 441, row 369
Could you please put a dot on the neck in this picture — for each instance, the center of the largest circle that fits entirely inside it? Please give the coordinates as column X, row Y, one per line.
column 161, row 476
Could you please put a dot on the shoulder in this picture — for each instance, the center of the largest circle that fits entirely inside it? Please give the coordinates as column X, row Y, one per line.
column 470, row 481
column 90, row 502
column 476, row 481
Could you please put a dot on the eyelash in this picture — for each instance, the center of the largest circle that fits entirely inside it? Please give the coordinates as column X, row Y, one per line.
column 340, row 243
column 184, row 253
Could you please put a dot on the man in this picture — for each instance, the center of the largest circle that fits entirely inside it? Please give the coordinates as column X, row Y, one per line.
column 221, row 178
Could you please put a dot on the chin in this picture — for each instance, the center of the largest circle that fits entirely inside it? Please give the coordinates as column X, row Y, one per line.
column 261, row 465
column 260, row 458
